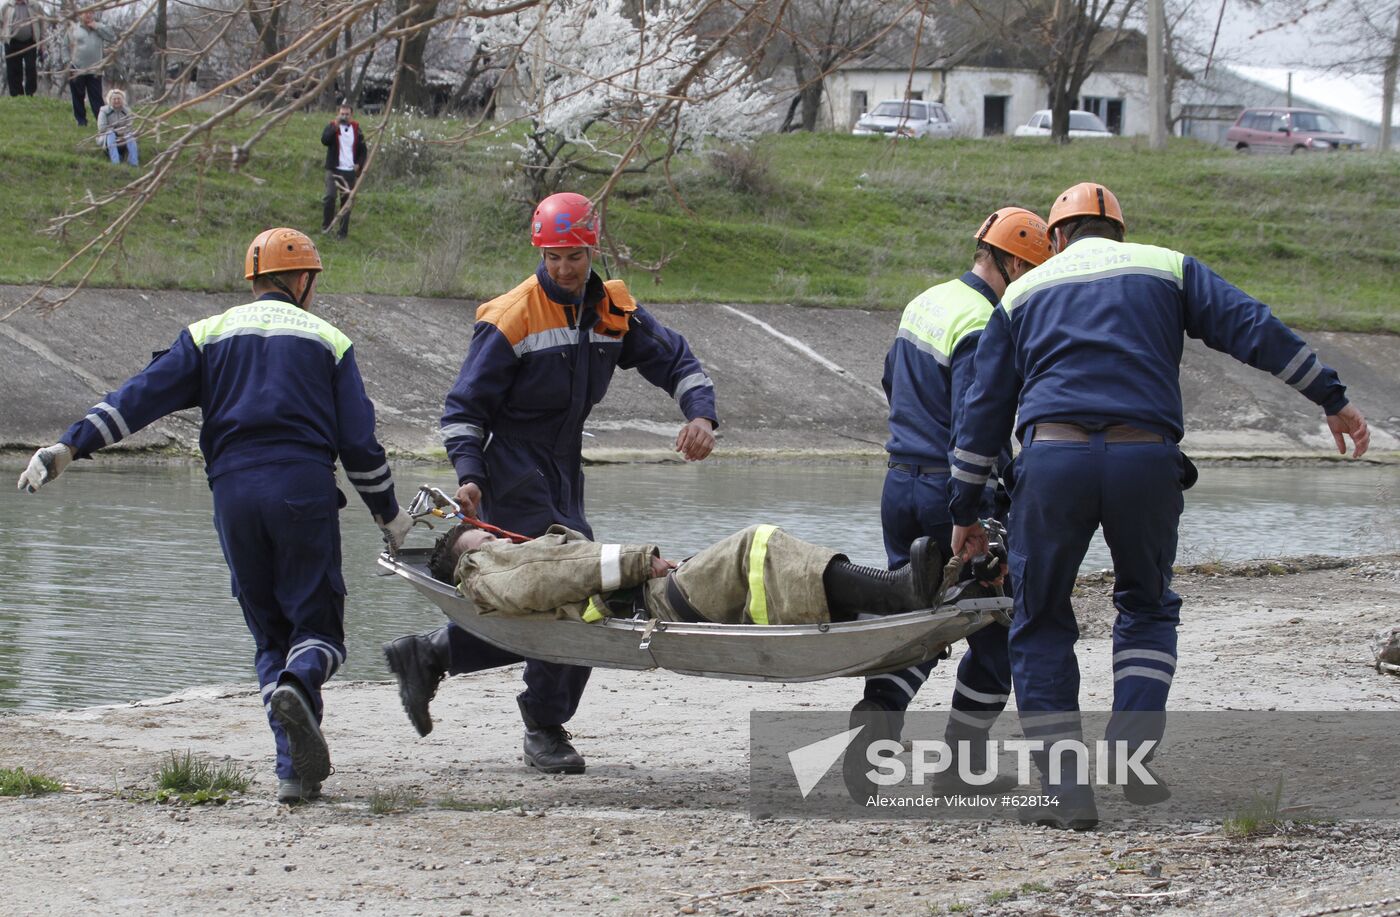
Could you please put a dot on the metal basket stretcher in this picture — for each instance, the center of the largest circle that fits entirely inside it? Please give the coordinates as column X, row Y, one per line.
column 746, row 652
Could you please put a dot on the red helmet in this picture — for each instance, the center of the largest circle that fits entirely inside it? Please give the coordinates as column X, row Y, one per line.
column 564, row 220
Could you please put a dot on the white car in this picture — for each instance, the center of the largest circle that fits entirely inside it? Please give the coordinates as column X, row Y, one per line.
column 906, row 118
column 1081, row 124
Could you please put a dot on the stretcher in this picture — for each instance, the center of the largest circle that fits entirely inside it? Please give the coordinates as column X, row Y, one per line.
column 746, row 652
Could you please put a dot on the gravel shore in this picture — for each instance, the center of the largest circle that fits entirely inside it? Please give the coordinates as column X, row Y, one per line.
column 658, row 825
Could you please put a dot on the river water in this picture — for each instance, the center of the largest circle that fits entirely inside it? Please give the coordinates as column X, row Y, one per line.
column 112, row 587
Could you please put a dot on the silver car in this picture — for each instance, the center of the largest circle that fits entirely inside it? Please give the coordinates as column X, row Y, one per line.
column 906, row 118
column 1081, row 124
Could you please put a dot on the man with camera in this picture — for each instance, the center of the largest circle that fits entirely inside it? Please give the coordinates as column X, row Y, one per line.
column 345, row 157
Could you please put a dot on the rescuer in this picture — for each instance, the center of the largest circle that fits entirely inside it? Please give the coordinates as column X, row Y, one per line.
column 541, row 357
column 1083, row 355
column 282, row 400
column 928, row 370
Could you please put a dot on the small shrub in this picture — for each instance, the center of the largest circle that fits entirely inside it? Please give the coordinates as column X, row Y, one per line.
column 1261, row 816
column 16, row 781
column 744, row 170
column 185, row 778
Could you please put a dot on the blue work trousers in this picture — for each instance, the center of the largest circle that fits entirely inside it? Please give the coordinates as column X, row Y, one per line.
column 911, row 506
column 280, row 532
column 532, row 487
column 1064, row 491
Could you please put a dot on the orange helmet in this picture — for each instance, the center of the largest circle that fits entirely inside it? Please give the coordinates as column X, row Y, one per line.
column 564, row 220
column 1018, row 232
column 280, row 249
column 1086, row 199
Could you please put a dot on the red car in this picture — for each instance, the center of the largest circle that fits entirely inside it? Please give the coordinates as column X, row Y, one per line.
column 1288, row 130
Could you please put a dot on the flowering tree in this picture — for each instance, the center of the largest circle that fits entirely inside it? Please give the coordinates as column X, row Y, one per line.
column 592, row 80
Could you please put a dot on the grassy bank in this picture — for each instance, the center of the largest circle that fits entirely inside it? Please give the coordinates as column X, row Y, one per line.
column 822, row 220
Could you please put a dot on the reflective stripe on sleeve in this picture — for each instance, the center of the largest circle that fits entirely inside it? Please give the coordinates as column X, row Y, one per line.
column 456, row 430
column 367, row 475
column 972, row 458
column 1307, row 379
column 374, row 488
column 969, row 477
column 694, row 380
column 115, row 416
column 758, row 556
column 1295, row 364
column 610, row 567
column 97, row 421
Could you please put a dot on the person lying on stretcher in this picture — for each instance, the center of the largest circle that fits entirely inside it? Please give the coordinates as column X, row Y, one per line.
column 761, row 575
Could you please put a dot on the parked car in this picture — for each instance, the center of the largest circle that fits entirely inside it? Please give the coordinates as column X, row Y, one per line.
column 1081, row 124
column 1288, row 130
column 907, row 118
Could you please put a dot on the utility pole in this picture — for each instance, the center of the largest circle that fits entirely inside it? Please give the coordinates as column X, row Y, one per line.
column 1392, row 64
column 1156, row 76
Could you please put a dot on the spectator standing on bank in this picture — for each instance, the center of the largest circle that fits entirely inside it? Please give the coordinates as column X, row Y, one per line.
column 86, row 51
column 114, row 129
column 22, row 30
column 345, row 157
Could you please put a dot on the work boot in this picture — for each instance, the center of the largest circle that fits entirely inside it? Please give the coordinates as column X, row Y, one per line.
column 1140, row 793
column 852, row 589
column 950, row 781
column 547, row 748
column 306, row 745
column 419, row 663
column 879, row 723
column 1071, row 808
column 294, row 790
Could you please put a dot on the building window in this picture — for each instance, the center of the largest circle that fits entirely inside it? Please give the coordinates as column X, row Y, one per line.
column 915, row 94
column 1109, row 110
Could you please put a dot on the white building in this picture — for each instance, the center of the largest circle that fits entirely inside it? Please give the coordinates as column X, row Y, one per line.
column 987, row 89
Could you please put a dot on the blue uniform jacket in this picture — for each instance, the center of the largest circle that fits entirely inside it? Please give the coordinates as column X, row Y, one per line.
column 275, row 384
column 930, row 367
column 538, row 363
column 1094, row 336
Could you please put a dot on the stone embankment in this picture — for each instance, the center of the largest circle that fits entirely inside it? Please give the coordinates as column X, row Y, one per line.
column 791, row 380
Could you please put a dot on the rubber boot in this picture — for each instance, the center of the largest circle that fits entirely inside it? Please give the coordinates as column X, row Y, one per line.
column 875, row 723
column 547, row 748
column 419, row 662
column 853, row 589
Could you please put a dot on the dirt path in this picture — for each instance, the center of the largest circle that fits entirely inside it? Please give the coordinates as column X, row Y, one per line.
column 658, row 825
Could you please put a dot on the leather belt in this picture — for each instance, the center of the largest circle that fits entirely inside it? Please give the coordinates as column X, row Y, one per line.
column 1073, row 433
column 918, row 469
column 679, row 603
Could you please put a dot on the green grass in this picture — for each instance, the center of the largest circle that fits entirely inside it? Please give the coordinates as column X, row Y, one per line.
column 1263, row 814
column 185, row 778
column 16, row 781
column 398, row 799
column 812, row 219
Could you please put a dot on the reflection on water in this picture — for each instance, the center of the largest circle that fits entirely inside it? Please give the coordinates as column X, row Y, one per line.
column 112, row 587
